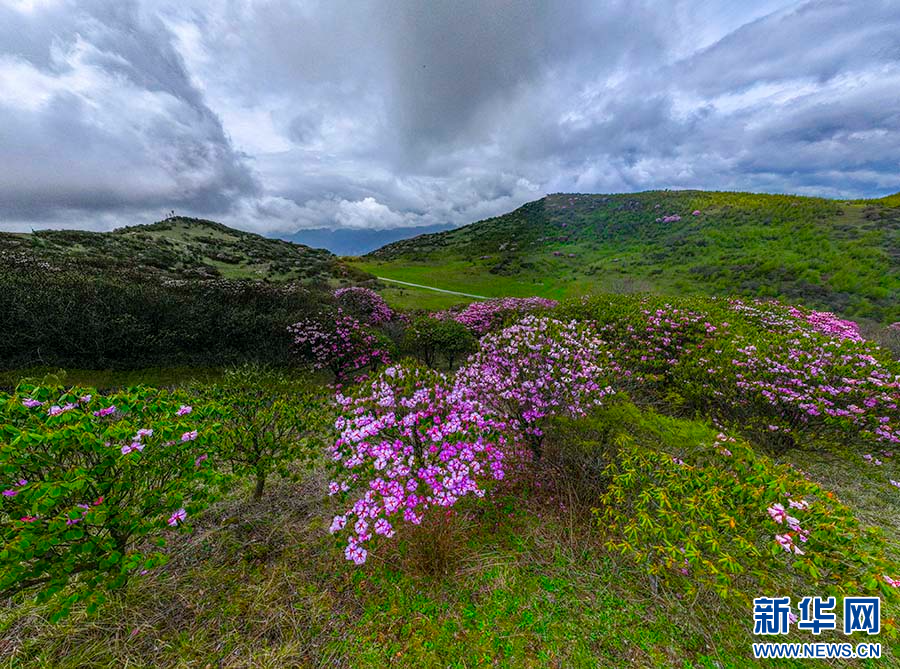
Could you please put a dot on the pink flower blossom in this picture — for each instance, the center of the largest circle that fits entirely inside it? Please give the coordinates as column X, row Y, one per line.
column 30, row 403
column 787, row 543
column 105, row 412
column 777, row 512
column 177, row 517
column 189, row 436
column 184, row 410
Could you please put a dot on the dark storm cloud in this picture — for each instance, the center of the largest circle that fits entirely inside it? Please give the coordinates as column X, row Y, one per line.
column 278, row 115
column 99, row 116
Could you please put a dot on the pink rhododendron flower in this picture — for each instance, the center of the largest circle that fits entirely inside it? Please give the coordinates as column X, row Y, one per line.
column 189, row 436
column 201, row 459
column 893, row 582
column 30, row 403
column 777, row 512
column 10, row 493
column 105, row 412
column 177, row 517
column 337, row 524
column 184, row 410
column 356, row 553
column 787, row 543
column 143, row 432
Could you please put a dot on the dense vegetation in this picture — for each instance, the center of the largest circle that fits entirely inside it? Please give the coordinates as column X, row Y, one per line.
column 178, row 292
column 602, row 481
column 175, row 248
column 835, row 255
column 524, row 481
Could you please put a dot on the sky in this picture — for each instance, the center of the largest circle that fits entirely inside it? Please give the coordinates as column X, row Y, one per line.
column 277, row 116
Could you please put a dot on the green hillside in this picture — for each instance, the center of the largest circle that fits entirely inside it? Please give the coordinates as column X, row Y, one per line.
column 186, row 248
column 836, row 255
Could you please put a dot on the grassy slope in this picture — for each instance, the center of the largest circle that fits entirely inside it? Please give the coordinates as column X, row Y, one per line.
column 182, row 248
column 827, row 254
column 529, row 584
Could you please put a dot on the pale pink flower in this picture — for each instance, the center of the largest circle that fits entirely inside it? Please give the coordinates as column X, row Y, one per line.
column 189, row 436
column 777, row 512
column 177, row 517
column 30, row 403
column 337, row 524
column 185, row 409
column 787, row 543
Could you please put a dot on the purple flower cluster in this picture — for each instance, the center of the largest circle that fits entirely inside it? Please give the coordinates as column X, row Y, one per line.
column 338, row 342
column 409, row 442
column 365, row 303
column 481, row 317
column 537, row 368
column 786, row 319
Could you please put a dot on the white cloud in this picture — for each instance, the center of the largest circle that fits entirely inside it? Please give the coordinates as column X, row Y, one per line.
column 276, row 116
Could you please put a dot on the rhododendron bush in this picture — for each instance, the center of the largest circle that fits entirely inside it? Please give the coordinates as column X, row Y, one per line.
column 728, row 518
column 780, row 374
column 338, row 342
column 86, row 477
column 801, row 376
column 408, row 442
column 481, row 317
column 364, row 304
column 537, row 368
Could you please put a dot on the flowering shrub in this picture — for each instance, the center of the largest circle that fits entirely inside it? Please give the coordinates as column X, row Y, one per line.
column 720, row 515
column 650, row 342
column 777, row 373
column 338, row 342
column 785, row 319
column 86, row 477
column 268, row 422
column 481, row 317
column 801, row 374
column 537, row 368
column 409, row 442
column 365, row 304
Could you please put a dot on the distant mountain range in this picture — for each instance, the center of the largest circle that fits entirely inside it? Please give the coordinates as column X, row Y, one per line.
column 345, row 242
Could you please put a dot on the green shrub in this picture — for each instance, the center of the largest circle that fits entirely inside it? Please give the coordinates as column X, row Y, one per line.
column 693, row 507
column 268, row 422
column 433, row 340
column 65, row 319
column 88, row 479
